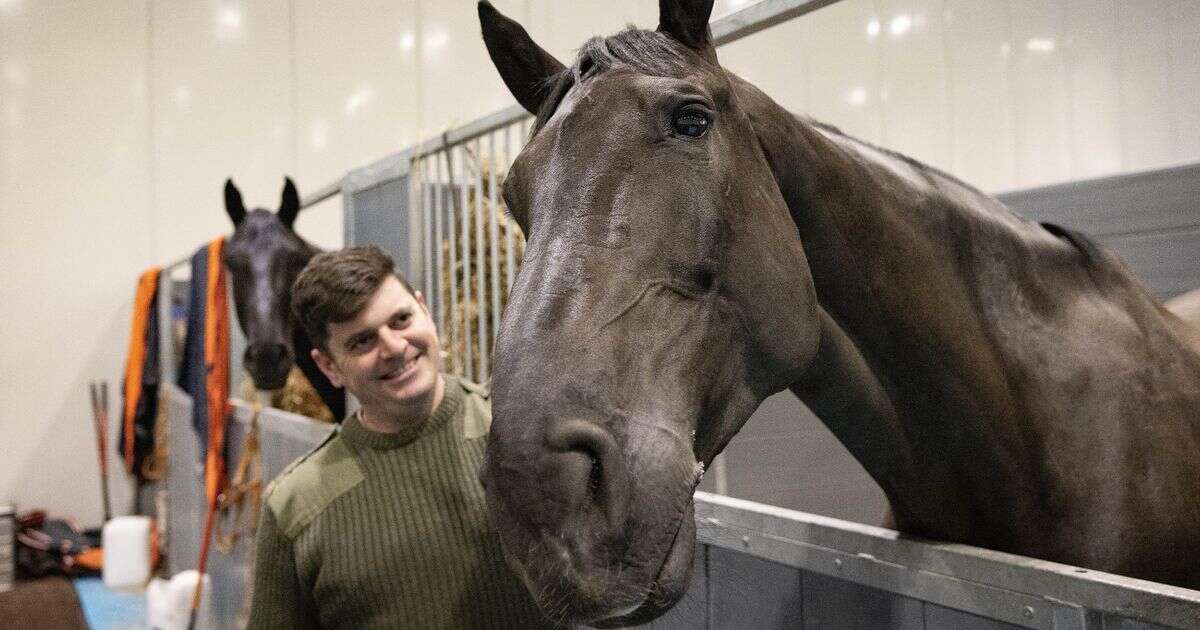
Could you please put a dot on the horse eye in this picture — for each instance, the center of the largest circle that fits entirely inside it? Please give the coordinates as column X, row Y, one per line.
column 691, row 123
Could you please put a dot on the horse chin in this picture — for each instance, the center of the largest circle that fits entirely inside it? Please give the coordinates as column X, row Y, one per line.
column 574, row 599
column 670, row 584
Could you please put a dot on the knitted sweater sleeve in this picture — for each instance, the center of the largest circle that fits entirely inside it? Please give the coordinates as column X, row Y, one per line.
column 278, row 598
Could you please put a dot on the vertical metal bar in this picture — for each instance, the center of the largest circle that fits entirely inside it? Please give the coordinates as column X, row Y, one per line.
column 166, row 327
column 721, row 474
column 423, row 195
column 438, row 215
column 509, row 156
column 451, row 263
column 465, row 238
column 480, row 263
column 494, row 242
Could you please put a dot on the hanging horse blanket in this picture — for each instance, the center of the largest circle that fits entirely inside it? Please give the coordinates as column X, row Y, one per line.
column 205, row 371
column 141, row 377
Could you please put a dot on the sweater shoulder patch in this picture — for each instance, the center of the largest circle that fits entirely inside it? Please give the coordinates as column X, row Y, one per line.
column 306, row 487
column 477, row 411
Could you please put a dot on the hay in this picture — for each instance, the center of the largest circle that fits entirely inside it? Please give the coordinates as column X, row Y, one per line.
column 296, row 396
column 462, row 314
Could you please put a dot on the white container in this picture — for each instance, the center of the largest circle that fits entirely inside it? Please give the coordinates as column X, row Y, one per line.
column 127, row 552
column 169, row 603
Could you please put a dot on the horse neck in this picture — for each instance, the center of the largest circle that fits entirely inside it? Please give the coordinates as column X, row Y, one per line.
column 906, row 375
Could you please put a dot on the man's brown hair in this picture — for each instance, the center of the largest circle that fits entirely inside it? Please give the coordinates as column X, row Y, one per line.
column 335, row 286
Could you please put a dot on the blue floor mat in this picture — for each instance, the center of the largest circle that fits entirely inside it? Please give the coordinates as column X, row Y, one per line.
column 106, row 609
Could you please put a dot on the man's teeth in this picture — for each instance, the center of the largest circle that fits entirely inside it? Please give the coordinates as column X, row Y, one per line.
column 396, row 372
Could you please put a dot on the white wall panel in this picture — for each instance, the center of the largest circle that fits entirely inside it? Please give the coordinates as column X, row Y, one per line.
column 75, row 226
column 1146, row 120
column 1183, row 25
column 1039, row 95
column 777, row 61
column 223, row 106
column 843, row 68
column 1093, row 82
column 561, row 27
column 458, row 82
column 981, row 121
column 913, row 80
column 357, row 94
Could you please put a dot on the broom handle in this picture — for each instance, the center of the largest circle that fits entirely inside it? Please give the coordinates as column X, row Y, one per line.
column 103, row 429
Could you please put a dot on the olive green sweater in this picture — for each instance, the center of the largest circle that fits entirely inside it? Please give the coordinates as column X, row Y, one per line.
column 374, row 530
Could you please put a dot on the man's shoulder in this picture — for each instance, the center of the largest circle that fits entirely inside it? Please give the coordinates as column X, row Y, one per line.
column 477, row 409
column 308, row 485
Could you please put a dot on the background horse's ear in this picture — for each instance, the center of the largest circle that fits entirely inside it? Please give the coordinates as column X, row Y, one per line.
column 525, row 67
column 687, row 22
column 233, row 203
column 289, row 203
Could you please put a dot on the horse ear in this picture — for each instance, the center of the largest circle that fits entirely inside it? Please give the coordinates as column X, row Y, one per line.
column 687, row 22
column 525, row 67
column 289, row 203
column 233, row 203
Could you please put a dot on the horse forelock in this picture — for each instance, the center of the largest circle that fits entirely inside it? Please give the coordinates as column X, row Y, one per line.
column 645, row 52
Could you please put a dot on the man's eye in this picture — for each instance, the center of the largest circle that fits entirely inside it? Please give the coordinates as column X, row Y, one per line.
column 400, row 320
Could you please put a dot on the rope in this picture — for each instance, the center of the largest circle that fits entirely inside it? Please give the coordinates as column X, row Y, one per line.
column 246, row 484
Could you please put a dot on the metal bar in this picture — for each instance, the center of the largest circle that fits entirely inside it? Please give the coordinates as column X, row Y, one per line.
column 493, row 227
column 439, row 214
column 426, row 225
column 465, row 240
column 471, row 130
column 323, row 193
column 761, row 16
column 1014, row 589
column 480, row 262
column 166, row 327
column 451, row 258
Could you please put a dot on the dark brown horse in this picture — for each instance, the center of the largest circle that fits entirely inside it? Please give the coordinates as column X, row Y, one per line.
column 264, row 256
column 694, row 248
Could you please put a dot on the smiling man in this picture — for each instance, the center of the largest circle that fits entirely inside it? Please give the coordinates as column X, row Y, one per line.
column 383, row 524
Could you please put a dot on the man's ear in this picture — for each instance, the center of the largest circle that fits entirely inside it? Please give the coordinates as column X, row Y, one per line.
column 420, row 299
column 328, row 367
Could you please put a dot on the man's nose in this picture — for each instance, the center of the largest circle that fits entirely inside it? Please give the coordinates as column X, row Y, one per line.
column 393, row 343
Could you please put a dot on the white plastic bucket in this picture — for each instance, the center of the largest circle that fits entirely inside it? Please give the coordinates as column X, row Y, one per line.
column 127, row 552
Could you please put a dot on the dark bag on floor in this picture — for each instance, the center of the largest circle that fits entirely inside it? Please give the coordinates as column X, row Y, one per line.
column 50, row 546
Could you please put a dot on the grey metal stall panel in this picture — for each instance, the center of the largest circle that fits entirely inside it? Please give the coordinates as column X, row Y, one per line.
column 1004, row 588
column 753, row 593
column 379, row 216
column 1149, row 201
column 1151, row 219
column 1168, row 262
column 185, row 485
column 284, row 437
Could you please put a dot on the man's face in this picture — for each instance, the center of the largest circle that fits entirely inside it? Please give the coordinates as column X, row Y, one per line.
column 387, row 356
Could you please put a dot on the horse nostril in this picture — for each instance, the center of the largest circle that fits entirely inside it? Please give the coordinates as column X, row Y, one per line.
column 587, row 449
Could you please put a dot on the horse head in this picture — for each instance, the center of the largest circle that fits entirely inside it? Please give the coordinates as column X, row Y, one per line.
column 264, row 256
column 664, row 294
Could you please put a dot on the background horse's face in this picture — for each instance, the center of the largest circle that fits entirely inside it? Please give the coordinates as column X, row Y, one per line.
column 663, row 295
column 264, row 257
